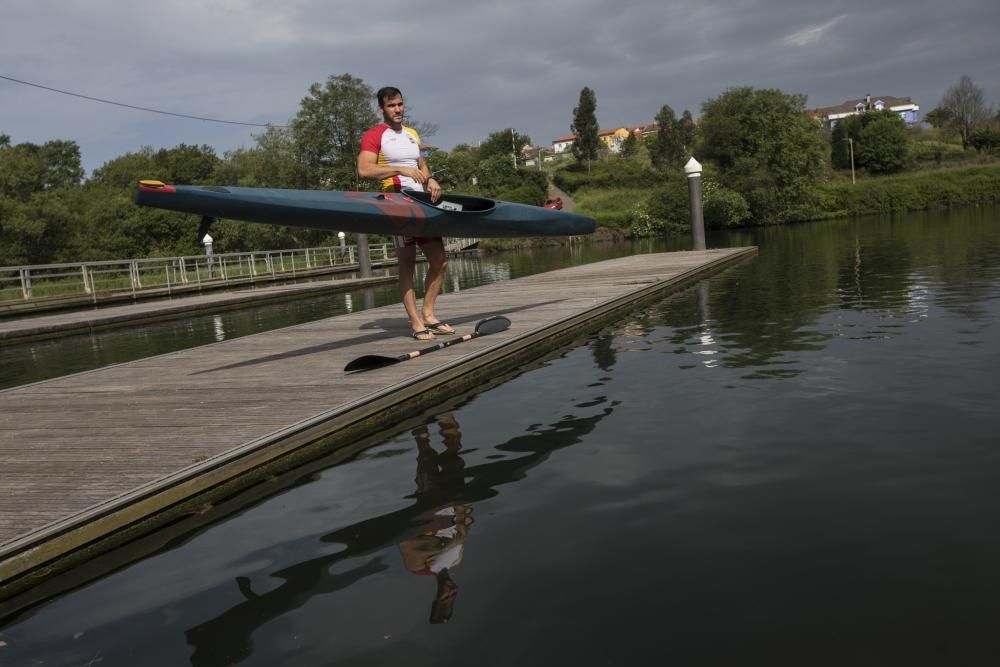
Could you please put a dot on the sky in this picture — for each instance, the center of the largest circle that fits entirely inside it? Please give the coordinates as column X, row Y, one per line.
column 470, row 67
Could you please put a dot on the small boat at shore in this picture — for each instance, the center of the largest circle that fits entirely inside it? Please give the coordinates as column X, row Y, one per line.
column 407, row 213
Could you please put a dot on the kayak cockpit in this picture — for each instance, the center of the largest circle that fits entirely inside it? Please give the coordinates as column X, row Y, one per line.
column 453, row 202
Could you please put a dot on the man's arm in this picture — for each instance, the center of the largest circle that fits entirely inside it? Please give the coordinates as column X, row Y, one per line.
column 368, row 167
column 429, row 181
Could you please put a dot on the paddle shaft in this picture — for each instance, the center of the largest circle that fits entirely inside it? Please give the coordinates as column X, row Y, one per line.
column 438, row 346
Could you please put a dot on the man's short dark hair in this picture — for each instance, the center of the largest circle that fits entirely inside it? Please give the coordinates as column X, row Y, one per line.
column 387, row 93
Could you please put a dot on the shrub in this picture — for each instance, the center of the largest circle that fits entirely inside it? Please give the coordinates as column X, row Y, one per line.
column 612, row 173
column 723, row 207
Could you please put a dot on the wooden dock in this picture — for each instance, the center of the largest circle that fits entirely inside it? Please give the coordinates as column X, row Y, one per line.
column 75, row 322
column 96, row 459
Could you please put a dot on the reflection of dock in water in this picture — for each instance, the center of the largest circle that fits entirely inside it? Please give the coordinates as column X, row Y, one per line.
column 98, row 458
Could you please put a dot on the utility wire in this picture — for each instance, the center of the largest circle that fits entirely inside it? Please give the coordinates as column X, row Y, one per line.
column 132, row 106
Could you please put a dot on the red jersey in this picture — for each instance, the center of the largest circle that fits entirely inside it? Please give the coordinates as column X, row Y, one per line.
column 394, row 148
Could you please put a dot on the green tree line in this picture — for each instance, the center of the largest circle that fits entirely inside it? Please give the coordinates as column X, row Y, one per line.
column 50, row 213
column 766, row 160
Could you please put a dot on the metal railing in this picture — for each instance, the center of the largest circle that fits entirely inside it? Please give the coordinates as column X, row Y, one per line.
column 172, row 273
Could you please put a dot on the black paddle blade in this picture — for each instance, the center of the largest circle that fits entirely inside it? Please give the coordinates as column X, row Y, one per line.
column 492, row 325
column 370, row 361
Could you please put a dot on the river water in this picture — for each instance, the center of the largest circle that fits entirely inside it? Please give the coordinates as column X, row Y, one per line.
column 793, row 462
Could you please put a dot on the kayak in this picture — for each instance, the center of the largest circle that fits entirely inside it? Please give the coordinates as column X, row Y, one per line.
column 407, row 213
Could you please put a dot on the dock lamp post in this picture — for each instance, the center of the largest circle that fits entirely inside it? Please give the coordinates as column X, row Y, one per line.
column 207, row 240
column 693, row 171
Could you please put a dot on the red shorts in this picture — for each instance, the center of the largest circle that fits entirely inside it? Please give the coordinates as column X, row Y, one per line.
column 410, row 241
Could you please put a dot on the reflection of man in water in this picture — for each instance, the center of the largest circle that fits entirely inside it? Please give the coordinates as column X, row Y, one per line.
column 438, row 547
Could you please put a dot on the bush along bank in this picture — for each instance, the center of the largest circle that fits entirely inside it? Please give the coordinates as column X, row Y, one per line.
column 931, row 189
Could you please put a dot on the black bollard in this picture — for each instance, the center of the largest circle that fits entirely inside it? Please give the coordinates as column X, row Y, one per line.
column 693, row 171
column 364, row 258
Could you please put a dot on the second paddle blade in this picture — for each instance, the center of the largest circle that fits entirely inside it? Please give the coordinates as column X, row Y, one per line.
column 370, row 361
column 492, row 325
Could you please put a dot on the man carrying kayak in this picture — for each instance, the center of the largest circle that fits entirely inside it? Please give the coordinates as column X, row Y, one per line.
column 390, row 152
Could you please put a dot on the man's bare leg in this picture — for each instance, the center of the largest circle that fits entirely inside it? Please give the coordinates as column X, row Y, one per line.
column 407, row 257
column 437, row 261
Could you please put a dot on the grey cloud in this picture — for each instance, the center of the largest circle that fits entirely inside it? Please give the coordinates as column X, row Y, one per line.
column 472, row 67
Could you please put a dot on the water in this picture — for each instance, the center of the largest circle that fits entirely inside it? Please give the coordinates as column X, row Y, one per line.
column 794, row 462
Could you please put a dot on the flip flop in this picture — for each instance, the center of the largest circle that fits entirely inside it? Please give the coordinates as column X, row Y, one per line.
column 441, row 329
column 423, row 334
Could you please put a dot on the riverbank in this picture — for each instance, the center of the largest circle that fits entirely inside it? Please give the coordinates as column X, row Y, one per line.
column 619, row 202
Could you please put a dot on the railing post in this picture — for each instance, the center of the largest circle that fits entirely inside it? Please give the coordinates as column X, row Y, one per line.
column 26, row 283
column 86, row 285
column 183, row 269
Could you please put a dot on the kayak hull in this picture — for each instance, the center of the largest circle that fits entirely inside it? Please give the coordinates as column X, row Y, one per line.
column 407, row 213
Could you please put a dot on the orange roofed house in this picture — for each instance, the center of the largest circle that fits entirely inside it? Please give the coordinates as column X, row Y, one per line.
column 611, row 138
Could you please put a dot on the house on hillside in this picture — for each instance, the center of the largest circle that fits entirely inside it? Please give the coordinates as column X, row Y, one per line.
column 612, row 138
column 532, row 154
column 643, row 131
column 903, row 106
column 563, row 143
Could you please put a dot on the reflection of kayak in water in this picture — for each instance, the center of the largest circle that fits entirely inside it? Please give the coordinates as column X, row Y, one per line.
column 408, row 213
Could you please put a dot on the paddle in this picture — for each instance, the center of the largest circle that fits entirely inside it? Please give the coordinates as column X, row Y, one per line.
column 490, row 325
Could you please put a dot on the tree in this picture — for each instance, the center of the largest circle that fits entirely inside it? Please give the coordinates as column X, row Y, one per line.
column 966, row 108
column 327, row 131
column 674, row 138
column 457, row 169
column 39, row 192
column 585, row 127
column 506, row 142
column 938, row 117
column 630, row 146
column 26, row 169
column 272, row 163
column 985, row 139
column 181, row 165
column 686, row 131
column 667, row 149
column 767, row 148
column 882, row 143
